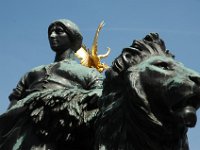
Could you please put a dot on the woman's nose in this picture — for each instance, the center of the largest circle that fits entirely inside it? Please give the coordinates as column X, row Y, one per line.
column 53, row 34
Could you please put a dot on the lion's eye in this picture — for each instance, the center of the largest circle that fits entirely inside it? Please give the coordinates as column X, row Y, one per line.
column 163, row 65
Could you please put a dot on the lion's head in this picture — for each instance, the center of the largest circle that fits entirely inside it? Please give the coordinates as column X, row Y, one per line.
column 148, row 99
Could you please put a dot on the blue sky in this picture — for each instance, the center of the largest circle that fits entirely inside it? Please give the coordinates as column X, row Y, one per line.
column 24, row 43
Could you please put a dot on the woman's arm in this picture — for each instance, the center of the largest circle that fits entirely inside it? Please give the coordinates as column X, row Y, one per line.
column 18, row 92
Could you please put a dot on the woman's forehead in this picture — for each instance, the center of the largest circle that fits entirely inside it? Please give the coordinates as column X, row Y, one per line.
column 56, row 26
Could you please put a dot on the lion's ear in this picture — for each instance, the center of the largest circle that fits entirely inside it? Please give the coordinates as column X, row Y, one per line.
column 131, row 56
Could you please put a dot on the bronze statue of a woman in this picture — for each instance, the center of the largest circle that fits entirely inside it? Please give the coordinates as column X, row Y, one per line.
column 52, row 99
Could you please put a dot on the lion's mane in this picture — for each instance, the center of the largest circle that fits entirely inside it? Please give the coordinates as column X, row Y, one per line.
column 125, row 119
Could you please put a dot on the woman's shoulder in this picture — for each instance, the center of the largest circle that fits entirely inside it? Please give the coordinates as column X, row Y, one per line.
column 76, row 68
column 38, row 68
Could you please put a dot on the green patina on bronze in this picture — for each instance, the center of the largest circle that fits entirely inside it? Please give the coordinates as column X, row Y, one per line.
column 147, row 100
column 54, row 105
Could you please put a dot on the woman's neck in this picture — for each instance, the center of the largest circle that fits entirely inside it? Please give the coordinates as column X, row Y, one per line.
column 68, row 54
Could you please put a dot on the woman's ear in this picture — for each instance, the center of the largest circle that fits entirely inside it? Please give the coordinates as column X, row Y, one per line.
column 76, row 42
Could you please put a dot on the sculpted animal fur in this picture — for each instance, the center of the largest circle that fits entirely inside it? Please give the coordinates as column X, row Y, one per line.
column 149, row 100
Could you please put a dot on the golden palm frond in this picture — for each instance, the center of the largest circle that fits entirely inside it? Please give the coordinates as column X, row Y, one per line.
column 90, row 58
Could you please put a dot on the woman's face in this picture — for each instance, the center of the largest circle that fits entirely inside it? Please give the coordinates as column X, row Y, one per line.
column 58, row 38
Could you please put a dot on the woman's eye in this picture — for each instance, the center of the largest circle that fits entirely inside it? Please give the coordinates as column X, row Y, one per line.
column 59, row 31
column 163, row 65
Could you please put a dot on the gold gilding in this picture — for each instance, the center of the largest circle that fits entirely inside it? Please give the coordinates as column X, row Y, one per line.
column 90, row 58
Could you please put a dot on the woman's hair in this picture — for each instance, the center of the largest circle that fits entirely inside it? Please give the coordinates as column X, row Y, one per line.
column 72, row 30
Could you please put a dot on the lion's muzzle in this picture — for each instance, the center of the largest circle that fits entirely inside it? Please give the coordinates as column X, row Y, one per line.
column 187, row 108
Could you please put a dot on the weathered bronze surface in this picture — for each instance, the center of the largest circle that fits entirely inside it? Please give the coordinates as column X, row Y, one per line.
column 148, row 101
column 53, row 106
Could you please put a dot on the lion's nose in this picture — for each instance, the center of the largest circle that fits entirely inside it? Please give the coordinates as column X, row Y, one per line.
column 195, row 79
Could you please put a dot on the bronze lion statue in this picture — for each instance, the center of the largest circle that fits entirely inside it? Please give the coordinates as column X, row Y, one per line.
column 149, row 100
